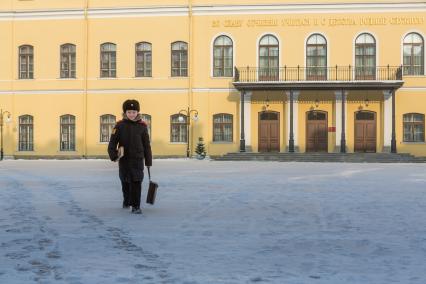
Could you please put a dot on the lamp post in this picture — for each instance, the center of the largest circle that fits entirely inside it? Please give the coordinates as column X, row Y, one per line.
column 187, row 112
column 1, row 129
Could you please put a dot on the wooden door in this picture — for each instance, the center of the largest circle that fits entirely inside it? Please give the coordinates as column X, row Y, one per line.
column 365, row 132
column 316, row 131
column 269, row 132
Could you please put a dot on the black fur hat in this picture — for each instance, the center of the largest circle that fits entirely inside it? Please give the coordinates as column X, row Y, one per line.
column 131, row 105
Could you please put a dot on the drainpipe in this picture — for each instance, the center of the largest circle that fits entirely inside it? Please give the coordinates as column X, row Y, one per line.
column 191, row 56
column 12, row 74
column 86, row 68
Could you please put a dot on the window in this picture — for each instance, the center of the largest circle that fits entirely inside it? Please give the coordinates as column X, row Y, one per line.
column 365, row 57
column 222, row 127
column 317, row 115
column 414, row 127
column 316, row 58
column 68, row 61
column 108, row 60
column 143, row 59
column 179, row 59
column 414, row 54
column 107, row 124
column 178, row 128
column 268, row 115
column 268, row 58
column 26, row 62
column 222, row 57
column 365, row 115
column 147, row 118
column 67, row 133
column 26, row 133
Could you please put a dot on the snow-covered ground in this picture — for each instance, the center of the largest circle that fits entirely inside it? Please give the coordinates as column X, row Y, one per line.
column 214, row 222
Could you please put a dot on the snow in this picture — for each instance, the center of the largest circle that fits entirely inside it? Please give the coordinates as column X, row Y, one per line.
column 214, row 222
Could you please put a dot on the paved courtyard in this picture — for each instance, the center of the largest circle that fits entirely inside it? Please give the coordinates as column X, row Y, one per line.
column 214, row 222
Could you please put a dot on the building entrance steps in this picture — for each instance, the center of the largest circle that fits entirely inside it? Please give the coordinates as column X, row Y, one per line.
column 324, row 157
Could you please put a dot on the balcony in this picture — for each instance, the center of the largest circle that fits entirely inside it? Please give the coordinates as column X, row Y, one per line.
column 319, row 78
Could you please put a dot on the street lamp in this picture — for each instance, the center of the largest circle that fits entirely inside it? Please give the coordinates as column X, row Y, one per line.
column 187, row 112
column 1, row 130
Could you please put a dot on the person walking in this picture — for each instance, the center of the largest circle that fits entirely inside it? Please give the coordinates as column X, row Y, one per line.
column 130, row 146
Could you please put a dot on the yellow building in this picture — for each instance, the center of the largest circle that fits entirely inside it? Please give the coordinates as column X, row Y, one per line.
column 310, row 76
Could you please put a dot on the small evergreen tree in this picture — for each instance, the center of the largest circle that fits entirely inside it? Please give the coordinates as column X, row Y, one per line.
column 200, row 150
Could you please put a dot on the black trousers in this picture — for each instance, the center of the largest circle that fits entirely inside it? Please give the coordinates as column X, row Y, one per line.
column 132, row 193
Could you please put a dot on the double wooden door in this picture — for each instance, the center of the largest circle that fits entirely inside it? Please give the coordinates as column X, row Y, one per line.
column 365, row 132
column 316, row 131
column 269, row 131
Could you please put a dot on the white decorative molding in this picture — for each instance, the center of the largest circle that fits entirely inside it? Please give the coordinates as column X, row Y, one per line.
column 117, row 91
column 183, row 10
column 42, row 15
column 295, row 116
column 6, row 16
column 387, row 117
column 95, row 13
column 412, row 89
column 338, row 112
column 247, row 119
column 133, row 91
column 174, row 11
column 43, row 92
column 97, row 91
column 352, row 8
column 215, row 90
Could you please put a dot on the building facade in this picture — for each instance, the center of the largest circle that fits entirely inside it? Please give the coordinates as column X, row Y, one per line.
column 321, row 76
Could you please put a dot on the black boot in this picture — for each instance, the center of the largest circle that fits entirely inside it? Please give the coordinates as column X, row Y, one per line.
column 136, row 210
column 126, row 205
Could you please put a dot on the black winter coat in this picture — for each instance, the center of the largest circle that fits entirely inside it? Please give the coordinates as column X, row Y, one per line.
column 134, row 137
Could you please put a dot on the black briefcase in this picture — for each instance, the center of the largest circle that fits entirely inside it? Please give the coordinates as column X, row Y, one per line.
column 152, row 190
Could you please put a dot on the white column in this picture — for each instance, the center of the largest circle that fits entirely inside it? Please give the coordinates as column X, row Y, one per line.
column 247, row 120
column 387, row 116
column 338, row 111
column 295, row 118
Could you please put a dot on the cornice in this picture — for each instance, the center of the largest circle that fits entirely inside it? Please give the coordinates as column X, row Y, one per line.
column 165, row 11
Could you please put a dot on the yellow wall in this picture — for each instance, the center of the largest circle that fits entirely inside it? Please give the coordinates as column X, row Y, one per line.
column 46, row 134
column 46, row 97
column 409, row 102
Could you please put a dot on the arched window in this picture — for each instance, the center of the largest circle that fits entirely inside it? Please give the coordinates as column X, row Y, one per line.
column 365, row 57
column 26, row 133
column 26, row 62
column 68, row 65
column 222, row 127
column 179, row 59
column 108, row 60
column 106, row 126
column 268, row 58
column 414, row 54
column 414, row 127
column 178, row 128
column 222, row 57
column 147, row 118
column 143, row 59
column 316, row 58
column 67, row 137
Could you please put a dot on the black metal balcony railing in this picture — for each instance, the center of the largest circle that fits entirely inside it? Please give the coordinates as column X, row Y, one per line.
column 337, row 73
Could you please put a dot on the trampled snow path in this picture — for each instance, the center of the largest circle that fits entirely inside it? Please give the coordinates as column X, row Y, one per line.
column 215, row 222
